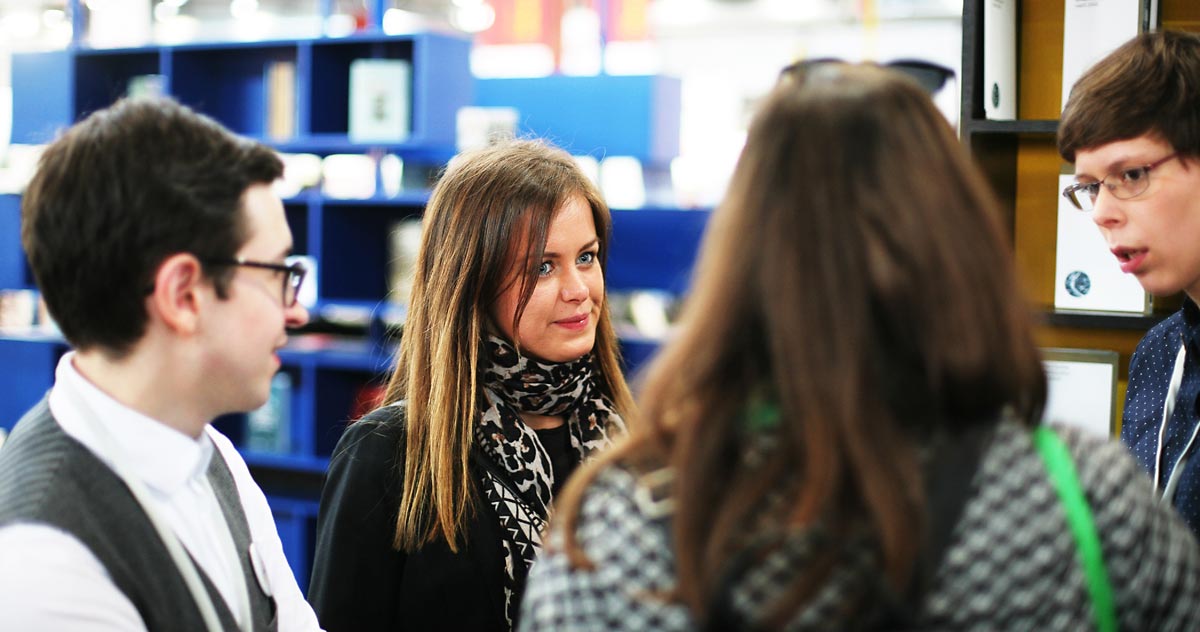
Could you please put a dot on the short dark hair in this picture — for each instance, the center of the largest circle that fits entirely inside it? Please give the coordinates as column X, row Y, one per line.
column 1151, row 84
column 117, row 194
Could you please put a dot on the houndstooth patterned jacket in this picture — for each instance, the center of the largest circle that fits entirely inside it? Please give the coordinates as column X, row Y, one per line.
column 1011, row 563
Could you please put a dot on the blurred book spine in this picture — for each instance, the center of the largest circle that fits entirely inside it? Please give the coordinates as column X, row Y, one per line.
column 1000, row 59
column 268, row 429
column 281, row 100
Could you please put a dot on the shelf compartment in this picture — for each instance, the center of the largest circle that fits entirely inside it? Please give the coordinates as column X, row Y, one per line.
column 1102, row 320
column 102, row 77
column 353, row 233
column 297, row 213
column 329, row 89
column 342, row 395
column 228, row 83
column 985, row 126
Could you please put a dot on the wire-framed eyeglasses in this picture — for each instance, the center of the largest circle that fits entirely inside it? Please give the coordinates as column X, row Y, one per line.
column 1126, row 184
column 292, row 269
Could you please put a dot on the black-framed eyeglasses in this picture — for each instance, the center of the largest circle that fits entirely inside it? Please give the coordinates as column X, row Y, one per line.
column 929, row 75
column 1130, row 183
column 292, row 269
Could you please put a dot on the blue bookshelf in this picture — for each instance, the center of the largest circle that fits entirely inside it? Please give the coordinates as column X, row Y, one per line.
column 334, row 377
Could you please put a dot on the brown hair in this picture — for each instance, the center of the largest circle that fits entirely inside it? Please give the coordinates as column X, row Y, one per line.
column 117, row 194
column 492, row 207
column 856, row 274
column 1151, row 84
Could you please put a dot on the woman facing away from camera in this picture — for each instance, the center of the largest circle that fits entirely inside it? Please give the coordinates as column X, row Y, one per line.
column 508, row 377
column 843, row 435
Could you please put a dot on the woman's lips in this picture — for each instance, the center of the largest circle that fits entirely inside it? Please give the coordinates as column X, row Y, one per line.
column 574, row 323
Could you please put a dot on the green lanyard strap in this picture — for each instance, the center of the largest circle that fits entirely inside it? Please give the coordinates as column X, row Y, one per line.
column 1079, row 516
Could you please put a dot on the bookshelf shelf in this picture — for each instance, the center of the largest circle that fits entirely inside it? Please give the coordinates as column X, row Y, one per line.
column 255, row 458
column 985, row 126
column 1102, row 320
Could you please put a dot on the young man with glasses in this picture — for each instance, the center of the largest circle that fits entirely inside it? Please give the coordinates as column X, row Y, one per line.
column 161, row 251
column 1132, row 128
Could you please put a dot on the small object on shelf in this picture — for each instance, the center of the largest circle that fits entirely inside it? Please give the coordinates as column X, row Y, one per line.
column 18, row 309
column 146, row 86
column 1087, row 276
column 391, row 175
column 404, row 241
column 1000, row 59
column 268, row 429
column 300, row 172
column 349, row 176
column 379, row 100
column 478, row 126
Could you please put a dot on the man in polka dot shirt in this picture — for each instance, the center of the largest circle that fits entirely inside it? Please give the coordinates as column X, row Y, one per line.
column 1132, row 128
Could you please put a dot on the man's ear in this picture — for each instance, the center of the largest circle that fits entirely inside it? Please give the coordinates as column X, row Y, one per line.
column 180, row 288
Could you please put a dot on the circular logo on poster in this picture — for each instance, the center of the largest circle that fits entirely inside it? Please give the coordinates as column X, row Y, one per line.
column 1078, row 283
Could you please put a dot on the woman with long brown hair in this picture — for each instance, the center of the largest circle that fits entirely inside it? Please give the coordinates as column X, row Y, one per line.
column 841, row 436
column 508, row 377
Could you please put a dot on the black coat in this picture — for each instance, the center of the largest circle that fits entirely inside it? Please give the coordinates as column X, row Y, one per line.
column 360, row 582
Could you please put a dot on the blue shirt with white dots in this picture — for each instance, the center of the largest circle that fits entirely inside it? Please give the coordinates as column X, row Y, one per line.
column 1149, row 377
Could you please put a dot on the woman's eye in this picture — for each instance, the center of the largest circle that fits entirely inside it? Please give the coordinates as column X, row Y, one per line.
column 544, row 269
column 587, row 257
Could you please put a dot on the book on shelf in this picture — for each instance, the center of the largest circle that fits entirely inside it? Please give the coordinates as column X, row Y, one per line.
column 280, row 80
column 1000, row 59
column 269, row 428
column 1087, row 276
column 380, row 94
column 1095, row 28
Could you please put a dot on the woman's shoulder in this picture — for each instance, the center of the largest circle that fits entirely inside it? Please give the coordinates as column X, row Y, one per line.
column 375, row 434
column 623, row 508
column 1014, row 530
column 1107, row 475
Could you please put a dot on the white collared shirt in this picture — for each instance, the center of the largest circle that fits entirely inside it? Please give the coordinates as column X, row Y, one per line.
column 50, row 581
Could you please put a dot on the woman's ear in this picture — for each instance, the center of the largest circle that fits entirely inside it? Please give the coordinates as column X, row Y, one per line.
column 177, row 295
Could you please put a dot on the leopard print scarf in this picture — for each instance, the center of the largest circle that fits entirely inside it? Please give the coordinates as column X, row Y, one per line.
column 517, row 476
